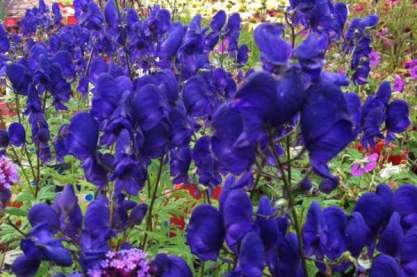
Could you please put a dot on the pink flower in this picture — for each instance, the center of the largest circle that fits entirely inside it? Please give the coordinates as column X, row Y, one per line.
column 359, row 7
column 365, row 165
column 392, row 2
column 374, row 59
column 398, row 84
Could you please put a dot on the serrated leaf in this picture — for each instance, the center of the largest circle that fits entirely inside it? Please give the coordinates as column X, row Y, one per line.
column 16, row 211
column 24, row 196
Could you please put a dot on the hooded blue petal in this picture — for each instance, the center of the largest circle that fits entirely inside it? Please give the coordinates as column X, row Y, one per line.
column 237, row 216
column 17, row 134
column 43, row 213
column 205, row 232
column 69, row 212
column 20, row 77
column 196, row 97
column 397, row 120
column 229, row 125
column 390, row 239
column 310, row 53
column 385, row 266
column 251, row 255
column 24, row 266
column 405, row 200
column 170, row 266
column 408, row 252
column 336, row 222
column 357, row 234
column 374, row 210
column 267, row 222
column 82, row 136
column 274, row 50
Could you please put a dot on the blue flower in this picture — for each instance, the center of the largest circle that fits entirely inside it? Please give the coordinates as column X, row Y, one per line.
column 20, row 77
column 274, row 50
column 326, row 126
column 236, row 209
column 171, row 266
column 180, row 160
column 40, row 245
column 82, row 137
column 205, row 232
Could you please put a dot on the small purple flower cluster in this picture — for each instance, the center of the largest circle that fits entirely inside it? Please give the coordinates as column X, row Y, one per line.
column 8, row 176
column 124, row 263
column 412, row 68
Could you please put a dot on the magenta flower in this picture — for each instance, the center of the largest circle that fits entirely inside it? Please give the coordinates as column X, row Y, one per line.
column 374, row 59
column 8, row 173
column 398, row 84
column 365, row 165
column 413, row 72
column 130, row 262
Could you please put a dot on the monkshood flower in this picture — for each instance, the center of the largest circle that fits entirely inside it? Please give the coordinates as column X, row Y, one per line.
column 68, row 211
column 378, row 110
column 40, row 245
column 324, row 232
column 274, row 50
column 4, row 40
column 20, row 77
column 82, row 136
column 320, row 15
column 167, row 265
column 258, row 240
column 358, row 43
column 383, row 220
column 326, row 127
column 127, row 262
column 365, row 165
column 17, row 134
column 37, row 17
column 310, row 53
column 95, row 235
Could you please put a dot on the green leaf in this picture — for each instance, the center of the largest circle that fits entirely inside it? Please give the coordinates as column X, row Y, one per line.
column 16, row 211
column 24, row 196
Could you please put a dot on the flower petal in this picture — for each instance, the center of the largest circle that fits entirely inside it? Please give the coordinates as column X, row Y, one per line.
column 251, row 255
column 385, row 266
column 391, row 237
column 17, row 134
column 237, row 216
column 205, row 232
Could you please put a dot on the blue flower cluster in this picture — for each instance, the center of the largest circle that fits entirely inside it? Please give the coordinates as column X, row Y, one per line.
column 159, row 90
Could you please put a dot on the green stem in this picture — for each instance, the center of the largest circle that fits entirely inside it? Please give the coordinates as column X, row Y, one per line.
column 151, row 205
column 258, row 178
column 19, row 163
column 202, row 269
column 291, row 203
column 29, row 161
column 17, row 107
